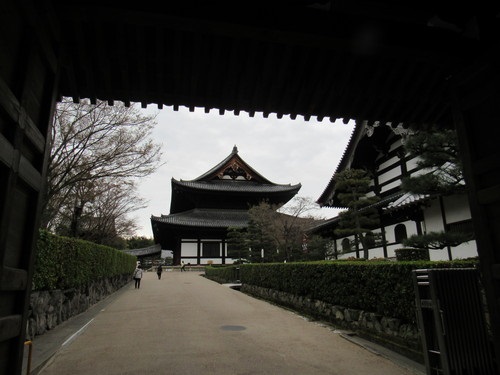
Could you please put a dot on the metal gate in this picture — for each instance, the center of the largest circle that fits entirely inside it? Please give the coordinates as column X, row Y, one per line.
column 452, row 322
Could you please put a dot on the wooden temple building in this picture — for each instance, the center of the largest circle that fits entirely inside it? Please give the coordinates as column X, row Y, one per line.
column 379, row 148
column 201, row 210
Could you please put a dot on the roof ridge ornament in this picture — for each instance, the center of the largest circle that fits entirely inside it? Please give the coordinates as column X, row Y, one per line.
column 235, row 149
column 234, row 170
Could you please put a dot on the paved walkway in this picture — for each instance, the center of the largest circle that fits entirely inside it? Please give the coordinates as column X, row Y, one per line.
column 187, row 324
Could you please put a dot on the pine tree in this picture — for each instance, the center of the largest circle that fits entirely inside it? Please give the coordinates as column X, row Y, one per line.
column 361, row 216
column 438, row 154
column 238, row 244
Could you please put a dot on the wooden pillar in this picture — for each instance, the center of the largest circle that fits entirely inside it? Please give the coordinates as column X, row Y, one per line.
column 445, row 224
column 223, row 249
column 476, row 117
column 198, row 251
column 382, row 232
column 28, row 84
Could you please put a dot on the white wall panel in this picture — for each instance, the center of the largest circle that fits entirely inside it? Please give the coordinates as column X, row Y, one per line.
column 374, row 253
column 395, row 145
column 389, row 162
column 213, row 260
column 432, row 217
column 389, row 175
column 189, row 249
column 390, row 186
column 457, row 208
column 465, row 250
column 411, row 164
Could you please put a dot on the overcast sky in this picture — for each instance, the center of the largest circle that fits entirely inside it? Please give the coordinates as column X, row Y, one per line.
column 284, row 151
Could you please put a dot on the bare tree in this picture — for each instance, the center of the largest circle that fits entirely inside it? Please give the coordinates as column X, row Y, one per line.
column 283, row 228
column 96, row 152
column 106, row 218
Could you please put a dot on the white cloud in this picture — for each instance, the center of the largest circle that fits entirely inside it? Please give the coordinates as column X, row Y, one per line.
column 282, row 150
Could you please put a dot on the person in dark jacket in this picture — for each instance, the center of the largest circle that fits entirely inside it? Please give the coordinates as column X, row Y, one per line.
column 159, row 270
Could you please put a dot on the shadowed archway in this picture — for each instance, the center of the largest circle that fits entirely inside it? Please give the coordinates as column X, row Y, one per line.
column 418, row 63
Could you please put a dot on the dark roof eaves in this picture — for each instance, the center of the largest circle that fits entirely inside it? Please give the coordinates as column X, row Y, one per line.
column 144, row 251
column 236, row 186
column 186, row 219
column 358, row 132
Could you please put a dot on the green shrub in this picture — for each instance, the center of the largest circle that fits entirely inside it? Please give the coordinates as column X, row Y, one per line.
column 63, row 263
column 221, row 273
column 410, row 254
column 381, row 287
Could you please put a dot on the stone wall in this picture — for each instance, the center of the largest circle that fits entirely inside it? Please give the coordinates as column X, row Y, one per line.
column 49, row 308
column 399, row 336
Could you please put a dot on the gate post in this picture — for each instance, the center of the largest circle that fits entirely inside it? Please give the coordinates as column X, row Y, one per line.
column 28, row 83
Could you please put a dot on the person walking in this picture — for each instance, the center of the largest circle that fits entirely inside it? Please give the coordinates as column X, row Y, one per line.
column 159, row 270
column 183, row 268
column 137, row 277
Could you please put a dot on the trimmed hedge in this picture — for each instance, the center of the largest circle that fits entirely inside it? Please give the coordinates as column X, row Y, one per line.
column 64, row 263
column 382, row 287
column 410, row 254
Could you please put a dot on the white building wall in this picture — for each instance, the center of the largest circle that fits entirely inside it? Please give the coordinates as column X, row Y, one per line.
column 388, row 163
column 211, row 260
column 189, row 249
column 411, row 164
column 395, row 145
column 389, row 175
column 433, row 221
column 465, row 250
column 457, row 208
column 390, row 236
column 460, row 252
column 375, row 253
column 391, row 250
column 192, row 261
column 189, row 252
column 411, row 228
column 390, row 186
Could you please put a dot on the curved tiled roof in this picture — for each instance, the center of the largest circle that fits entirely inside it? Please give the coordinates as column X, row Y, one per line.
column 236, row 186
column 144, row 251
column 357, row 132
column 406, row 199
column 214, row 218
column 361, row 129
